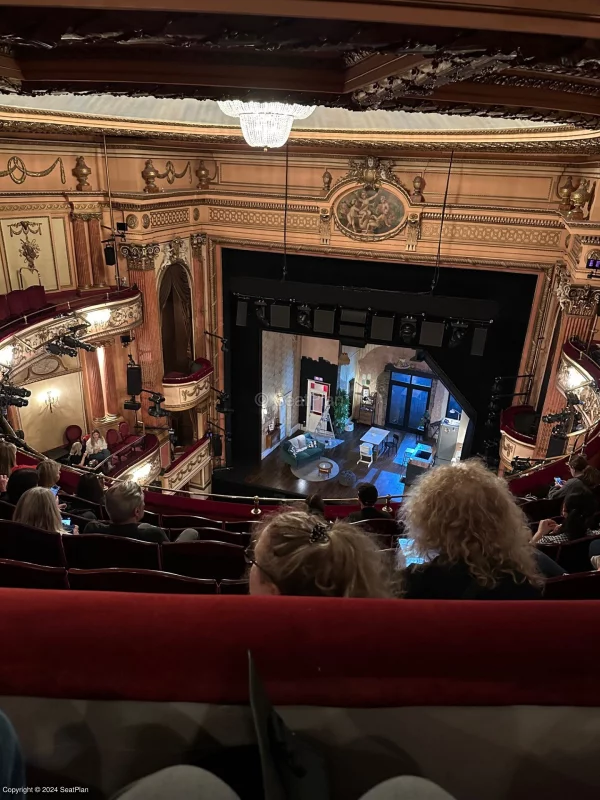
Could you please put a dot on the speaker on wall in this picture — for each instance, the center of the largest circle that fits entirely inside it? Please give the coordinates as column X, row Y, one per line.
column 280, row 316
column 134, row 379
column 432, row 334
column 110, row 257
column 353, row 316
column 478, row 344
column 241, row 314
column 323, row 321
column 382, row 328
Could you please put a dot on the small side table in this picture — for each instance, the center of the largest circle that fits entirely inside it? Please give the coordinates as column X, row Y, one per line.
column 324, row 467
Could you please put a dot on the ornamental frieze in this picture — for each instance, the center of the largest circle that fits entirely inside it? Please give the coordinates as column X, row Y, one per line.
column 505, row 234
column 187, row 468
column 578, row 301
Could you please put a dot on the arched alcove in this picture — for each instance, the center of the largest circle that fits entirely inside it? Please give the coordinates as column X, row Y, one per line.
column 175, row 298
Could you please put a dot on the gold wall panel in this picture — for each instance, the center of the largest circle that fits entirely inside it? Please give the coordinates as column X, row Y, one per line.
column 45, row 263
column 61, row 253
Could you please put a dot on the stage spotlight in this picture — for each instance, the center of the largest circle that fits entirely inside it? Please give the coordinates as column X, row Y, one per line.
column 59, row 349
column 15, row 391
column 221, row 408
column 19, row 402
column 459, row 331
column 303, row 317
column 157, row 411
column 408, row 330
column 72, row 341
column 224, row 348
column 127, row 339
column 260, row 308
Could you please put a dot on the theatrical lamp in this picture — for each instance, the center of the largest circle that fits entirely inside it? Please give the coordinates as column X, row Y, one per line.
column 260, row 307
column 459, row 331
column 58, row 349
column 155, row 409
column 72, row 341
column 303, row 317
column 408, row 330
column 15, row 391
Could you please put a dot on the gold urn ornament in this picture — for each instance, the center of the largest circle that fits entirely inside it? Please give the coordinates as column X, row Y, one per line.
column 564, row 192
column 82, row 172
column 416, row 195
column 150, row 174
column 578, row 199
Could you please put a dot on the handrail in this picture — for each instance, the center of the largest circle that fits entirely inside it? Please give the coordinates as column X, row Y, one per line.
column 74, row 299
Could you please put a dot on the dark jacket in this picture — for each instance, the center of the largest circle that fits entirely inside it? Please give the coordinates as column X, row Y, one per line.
column 439, row 581
column 368, row 512
column 572, row 486
column 142, row 531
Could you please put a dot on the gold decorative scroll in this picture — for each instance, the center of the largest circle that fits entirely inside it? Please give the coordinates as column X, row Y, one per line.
column 18, row 172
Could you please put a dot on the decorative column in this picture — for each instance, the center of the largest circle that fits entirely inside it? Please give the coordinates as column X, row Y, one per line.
column 198, row 241
column 97, row 251
column 106, row 360
column 578, row 305
column 81, row 251
column 93, row 382
column 140, row 262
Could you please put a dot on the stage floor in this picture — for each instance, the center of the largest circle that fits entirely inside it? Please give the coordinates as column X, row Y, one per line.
column 385, row 472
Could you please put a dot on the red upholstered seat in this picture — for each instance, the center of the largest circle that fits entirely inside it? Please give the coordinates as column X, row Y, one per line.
column 112, row 440
column 188, row 521
column 17, row 302
column 35, row 298
column 24, row 575
column 582, row 586
column 217, row 560
column 6, row 510
column 126, row 436
column 97, row 550
column 72, row 434
column 138, row 580
column 23, row 543
column 5, row 312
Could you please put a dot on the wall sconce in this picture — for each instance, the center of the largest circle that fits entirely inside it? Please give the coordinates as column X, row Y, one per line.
column 6, row 355
column 141, row 473
column 51, row 399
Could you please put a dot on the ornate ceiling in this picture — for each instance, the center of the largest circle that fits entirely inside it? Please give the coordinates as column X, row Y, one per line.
column 495, row 65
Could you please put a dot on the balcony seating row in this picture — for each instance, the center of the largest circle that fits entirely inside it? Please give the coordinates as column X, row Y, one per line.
column 22, row 302
column 25, row 575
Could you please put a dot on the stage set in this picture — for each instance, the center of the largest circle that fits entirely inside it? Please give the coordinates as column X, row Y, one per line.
column 335, row 415
column 377, row 379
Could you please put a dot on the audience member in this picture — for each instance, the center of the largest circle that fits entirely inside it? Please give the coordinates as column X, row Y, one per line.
column 315, row 505
column 38, row 507
column 8, row 457
column 578, row 513
column 48, row 473
column 367, row 497
column 96, row 450
column 75, row 454
column 19, row 482
column 584, row 478
column 125, row 506
column 474, row 538
column 296, row 554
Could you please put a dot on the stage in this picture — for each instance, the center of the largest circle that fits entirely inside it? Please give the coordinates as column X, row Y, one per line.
column 385, row 472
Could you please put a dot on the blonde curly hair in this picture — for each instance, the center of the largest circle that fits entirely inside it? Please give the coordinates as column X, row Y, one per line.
column 467, row 515
column 344, row 562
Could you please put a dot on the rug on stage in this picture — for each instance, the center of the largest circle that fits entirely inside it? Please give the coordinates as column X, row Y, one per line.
column 310, row 472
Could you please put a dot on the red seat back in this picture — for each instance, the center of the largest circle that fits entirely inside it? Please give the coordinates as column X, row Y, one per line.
column 584, row 586
column 17, row 302
column 5, row 311
column 186, row 521
column 216, row 560
column 72, row 434
column 138, row 580
column 23, row 543
column 97, row 550
column 6, row 510
column 124, row 430
column 112, row 439
column 35, row 297
column 24, row 575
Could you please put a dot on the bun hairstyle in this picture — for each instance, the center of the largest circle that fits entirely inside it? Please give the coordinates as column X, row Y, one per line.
column 305, row 557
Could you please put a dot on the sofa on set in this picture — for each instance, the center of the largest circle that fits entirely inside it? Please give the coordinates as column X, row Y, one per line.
column 301, row 449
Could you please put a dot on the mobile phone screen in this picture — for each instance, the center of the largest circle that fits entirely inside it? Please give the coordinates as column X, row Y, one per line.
column 55, row 490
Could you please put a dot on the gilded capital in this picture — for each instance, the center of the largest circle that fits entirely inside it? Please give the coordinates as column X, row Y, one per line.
column 577, row 301
column 140, row 256
column 197, row 240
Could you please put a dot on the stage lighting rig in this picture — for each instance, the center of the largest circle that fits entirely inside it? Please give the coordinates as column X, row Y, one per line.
column 72, row 341
column 14, row 391
column 303, row 317
column 459, row 331
column 58, row 349
column 408, row 330
column 260, row 308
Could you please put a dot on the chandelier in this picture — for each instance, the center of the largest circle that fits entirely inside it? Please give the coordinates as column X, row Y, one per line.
column 265, row 124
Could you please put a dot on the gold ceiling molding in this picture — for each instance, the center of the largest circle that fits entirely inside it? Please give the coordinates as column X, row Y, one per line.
column 507, row 234
column 262, row 219
column 555, row 140
column 532, row 222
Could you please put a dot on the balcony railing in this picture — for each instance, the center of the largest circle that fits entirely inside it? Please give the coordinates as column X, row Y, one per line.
column 193, row 460
column 186, row 391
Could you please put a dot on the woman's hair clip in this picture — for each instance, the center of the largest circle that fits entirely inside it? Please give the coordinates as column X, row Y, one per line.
column 319, row 535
